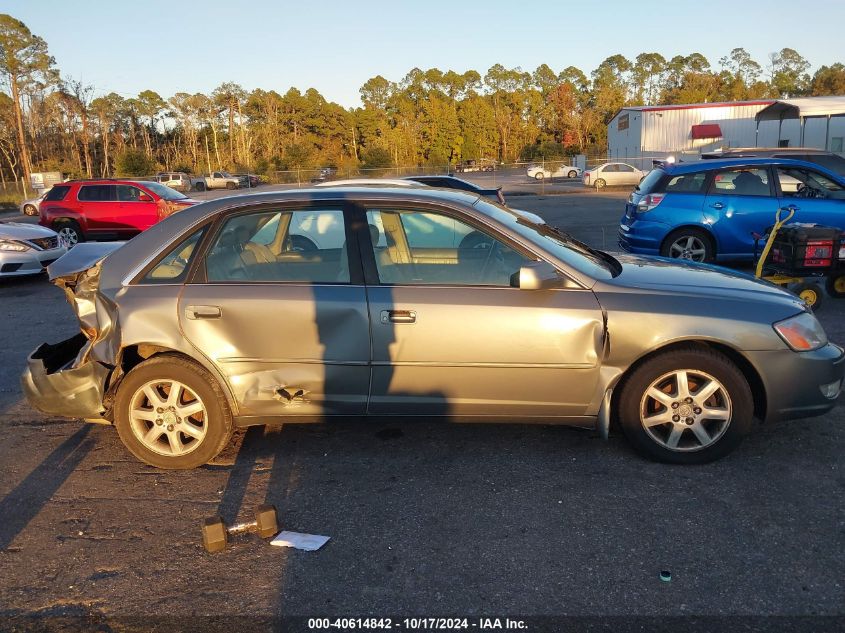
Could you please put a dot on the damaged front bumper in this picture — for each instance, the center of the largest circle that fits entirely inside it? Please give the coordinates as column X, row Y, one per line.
column 52, row 385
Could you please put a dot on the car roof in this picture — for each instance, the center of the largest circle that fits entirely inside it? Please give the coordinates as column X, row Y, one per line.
column 719, row 163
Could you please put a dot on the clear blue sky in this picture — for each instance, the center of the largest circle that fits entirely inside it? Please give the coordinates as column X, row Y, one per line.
column 335, row 46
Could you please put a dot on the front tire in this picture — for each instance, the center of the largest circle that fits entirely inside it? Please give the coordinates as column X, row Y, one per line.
column 200, row 186
column 688, row 406
column 171, row 413
column 690, row 243
column 573, row 174
column 30, row 210
column 539, row 175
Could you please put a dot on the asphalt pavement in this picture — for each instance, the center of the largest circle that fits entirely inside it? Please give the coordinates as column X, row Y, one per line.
column 425, row 518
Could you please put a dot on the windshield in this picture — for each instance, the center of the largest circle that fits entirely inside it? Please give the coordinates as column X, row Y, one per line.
column 588, row 261
column 163, row 191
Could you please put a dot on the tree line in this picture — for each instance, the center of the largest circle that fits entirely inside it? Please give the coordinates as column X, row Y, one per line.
column 50, row 122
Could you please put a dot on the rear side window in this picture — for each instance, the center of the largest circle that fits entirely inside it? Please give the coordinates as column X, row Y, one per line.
column 174, row 266
column 651, row 182
column 58, row 192
column 686, row 183
column 741, row 181
column 96, row 193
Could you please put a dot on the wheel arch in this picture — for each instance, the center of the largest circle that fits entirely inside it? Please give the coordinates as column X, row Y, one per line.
column 130, row 356
column 755, row 381
column 714, row 241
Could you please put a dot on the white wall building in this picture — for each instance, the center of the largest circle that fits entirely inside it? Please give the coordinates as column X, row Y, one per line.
column 640, row 134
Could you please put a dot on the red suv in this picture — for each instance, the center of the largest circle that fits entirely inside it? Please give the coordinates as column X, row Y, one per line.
column 107, row 209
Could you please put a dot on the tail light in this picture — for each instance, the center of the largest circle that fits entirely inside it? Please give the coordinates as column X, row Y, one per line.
column 650, row 201
column 587, row 177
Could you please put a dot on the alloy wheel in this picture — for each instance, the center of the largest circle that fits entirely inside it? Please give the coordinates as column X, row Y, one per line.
column 686, row 410
column 688, row 247
column 167, row 417
column 68, row 236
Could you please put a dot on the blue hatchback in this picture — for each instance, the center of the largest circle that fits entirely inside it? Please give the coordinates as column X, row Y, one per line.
column 709, row 210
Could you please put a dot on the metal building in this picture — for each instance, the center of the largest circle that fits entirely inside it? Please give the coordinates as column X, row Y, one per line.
column 640, row 134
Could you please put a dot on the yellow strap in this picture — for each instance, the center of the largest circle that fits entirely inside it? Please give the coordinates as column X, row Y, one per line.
column 772, row 235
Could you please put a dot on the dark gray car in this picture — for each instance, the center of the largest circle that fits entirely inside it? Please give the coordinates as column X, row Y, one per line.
column 417, row 302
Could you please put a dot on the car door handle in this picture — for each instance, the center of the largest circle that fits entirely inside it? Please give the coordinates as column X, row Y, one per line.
column 398, row 316
column 792, row 207
column 203, row 312
column 717, row 205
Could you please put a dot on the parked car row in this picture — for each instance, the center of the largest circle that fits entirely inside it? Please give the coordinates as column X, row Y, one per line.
column 180, row 181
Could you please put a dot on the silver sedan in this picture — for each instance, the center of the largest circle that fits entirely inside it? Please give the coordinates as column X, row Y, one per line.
column 26, row 249
column 417, row 302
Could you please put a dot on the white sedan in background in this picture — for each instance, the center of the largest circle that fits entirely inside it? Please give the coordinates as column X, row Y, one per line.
column 553, row 171
column 27, row 249
column 31, row 206
column 613, row 174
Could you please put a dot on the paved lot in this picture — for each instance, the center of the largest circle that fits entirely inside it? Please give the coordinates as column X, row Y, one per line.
column 426, row 519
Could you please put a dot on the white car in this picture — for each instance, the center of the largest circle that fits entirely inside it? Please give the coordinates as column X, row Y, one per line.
column 553, row 171
column 27, row 249
column 31, row 206
column 613, row 174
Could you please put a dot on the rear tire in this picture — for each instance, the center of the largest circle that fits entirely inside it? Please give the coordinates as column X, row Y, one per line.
column 231, row 186
column 600, row 184
column 186, row 438
column 573, row 174
column 688, row 243
column 69, row 232
column 539, row 176
column 200, row 186
column 691, row 420
column 30, row 210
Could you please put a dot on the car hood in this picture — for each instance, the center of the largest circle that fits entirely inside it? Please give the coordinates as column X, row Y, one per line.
column 662, row 274
column 20, row 231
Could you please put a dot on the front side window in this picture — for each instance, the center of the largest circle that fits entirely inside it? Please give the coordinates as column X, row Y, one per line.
column 97, row 193
column 426, row 248
column 625, row 168
column 806, row 183
column 128, row 193
column 741, row 181
column 305, row 246
column 174, row 266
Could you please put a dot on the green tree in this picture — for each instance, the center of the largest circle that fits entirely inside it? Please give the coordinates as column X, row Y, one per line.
column 829, row 80
column 133, row 162
column 788, row 71
column 23, row 59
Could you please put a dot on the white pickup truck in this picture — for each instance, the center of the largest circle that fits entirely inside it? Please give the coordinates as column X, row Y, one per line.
column 221, row 180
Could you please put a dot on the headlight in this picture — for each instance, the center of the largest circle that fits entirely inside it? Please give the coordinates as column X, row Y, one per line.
column 12, row 245
column 802, row 333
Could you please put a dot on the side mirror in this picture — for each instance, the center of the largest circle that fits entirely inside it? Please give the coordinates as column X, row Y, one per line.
column 144, row 198
column 538, row 276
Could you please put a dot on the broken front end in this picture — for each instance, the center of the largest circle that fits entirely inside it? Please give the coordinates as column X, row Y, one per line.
column 71, row 378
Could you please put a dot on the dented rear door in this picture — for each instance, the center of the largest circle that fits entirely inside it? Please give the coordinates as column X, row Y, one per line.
column 288, row 331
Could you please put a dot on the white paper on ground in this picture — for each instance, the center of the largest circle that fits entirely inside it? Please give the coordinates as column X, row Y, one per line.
column 307, row 542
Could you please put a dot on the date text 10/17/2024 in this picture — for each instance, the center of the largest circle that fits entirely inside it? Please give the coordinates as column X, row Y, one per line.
column 417, row 624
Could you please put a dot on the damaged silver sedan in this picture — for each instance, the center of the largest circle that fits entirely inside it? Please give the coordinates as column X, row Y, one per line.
column 323, row 304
